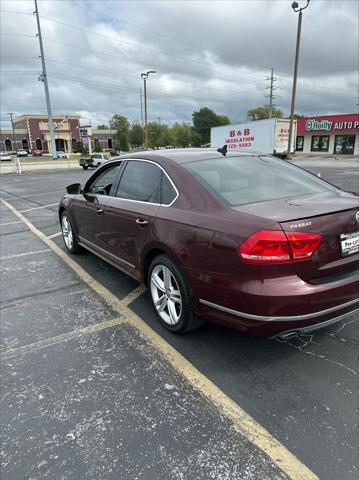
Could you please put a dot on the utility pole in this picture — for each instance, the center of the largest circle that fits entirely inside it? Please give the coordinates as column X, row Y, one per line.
column 144, row 76
column 13, row 129
column 296, row 9
column 271, row 96
column 43, row 78
column 141, row 107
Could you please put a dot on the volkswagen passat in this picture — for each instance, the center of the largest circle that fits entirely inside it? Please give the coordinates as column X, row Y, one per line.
column 245, row 240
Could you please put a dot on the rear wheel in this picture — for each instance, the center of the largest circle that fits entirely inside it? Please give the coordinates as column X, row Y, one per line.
column 170, row 296
column 69, row 235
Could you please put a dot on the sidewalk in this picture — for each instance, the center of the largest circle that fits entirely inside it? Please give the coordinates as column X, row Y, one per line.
column 9, row 167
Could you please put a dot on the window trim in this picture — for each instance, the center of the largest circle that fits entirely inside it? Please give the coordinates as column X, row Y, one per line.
column 141, row 201
column 99, row 172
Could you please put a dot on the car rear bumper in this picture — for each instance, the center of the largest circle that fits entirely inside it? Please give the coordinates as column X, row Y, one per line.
column 271, row 306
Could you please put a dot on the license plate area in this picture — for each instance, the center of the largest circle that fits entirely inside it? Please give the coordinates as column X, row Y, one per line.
column 349, row 244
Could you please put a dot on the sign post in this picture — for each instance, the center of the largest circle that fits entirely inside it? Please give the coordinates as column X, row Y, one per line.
column 17, row 166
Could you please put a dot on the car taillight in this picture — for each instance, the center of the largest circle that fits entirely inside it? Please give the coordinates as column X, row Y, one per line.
column 276, row 246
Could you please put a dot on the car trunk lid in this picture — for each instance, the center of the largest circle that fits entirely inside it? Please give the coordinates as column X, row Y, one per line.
column 331, row 215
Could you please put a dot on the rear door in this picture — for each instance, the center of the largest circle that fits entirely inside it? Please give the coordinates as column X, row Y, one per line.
column 130, row 214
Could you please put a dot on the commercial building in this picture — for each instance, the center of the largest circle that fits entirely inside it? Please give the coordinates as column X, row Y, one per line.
column 328, row 134
column 31, row 132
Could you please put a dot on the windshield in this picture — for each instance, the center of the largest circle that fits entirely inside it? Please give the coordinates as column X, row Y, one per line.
column 249, row 179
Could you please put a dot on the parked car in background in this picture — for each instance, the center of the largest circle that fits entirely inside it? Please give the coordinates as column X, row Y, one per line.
column 37, row 153
column 93, row 161
column 115, row 153
column 21, row 153
column 62, row 154
column 5, row 157
column 245, row 240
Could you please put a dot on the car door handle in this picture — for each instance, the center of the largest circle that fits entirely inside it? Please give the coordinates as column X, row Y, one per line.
column 99, row 211
column 141, row 222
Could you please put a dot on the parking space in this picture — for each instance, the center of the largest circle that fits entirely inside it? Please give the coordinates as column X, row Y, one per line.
column 94, row 399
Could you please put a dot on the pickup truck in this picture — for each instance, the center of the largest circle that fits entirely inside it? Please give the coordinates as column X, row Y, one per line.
column 93, row 161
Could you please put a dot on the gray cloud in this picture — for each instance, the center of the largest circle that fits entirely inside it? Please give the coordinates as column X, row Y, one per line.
column 206, row 53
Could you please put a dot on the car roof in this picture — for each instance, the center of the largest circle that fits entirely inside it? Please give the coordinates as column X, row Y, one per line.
column 185, row 155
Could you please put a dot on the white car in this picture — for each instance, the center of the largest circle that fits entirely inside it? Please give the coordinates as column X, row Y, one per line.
column 21, row 153
column 5, row 156
column 61, row 154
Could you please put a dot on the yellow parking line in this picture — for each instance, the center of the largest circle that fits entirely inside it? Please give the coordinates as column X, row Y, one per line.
column 54, row 235
column 137, row 292
column 13, row 352
column 33, row 252
column 38, row 208
column 243, row 422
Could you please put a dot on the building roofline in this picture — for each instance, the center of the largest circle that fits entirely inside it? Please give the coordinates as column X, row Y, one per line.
column 38, row 115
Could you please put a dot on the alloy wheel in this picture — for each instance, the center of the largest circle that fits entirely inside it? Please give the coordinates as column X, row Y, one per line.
column 166, row 295
column 67, row 232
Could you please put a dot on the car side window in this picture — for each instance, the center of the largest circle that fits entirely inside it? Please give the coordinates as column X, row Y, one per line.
column 140, row 181
column 168, row 193
column 103, row 183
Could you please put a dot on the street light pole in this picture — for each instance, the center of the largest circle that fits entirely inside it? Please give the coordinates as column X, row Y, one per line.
column 296, row 9
column 13, row 129
column 144, row 76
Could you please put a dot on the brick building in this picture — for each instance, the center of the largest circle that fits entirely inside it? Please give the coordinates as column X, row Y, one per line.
column 32, row 132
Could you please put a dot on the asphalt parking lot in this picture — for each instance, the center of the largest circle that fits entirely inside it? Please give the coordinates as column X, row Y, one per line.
column 87, row 395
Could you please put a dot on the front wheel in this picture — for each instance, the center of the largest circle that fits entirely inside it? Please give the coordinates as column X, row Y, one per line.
column 69, row 235
column 85, row 167
column 170, row 296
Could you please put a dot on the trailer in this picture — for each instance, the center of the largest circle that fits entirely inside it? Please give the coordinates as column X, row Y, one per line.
column 265, row 136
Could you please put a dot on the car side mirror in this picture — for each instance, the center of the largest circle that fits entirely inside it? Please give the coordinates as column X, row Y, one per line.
column 73, row 189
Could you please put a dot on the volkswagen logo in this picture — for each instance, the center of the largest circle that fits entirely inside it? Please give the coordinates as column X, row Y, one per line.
column 357, row 216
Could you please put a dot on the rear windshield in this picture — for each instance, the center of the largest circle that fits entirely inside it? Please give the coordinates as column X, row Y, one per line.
column 247, row 179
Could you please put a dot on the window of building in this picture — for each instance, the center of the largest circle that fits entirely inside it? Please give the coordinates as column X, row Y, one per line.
column 38, row 144
column 344, row 144
column 320, row 143
column 8, row 145
column 140, row 181
column 25, row 144
column 299, row 144
column 109, row 143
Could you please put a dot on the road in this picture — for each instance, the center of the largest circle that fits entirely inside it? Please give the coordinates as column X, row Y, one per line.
column 303, row 391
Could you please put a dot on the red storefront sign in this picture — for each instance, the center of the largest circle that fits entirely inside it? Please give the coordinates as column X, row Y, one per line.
column 328, row 124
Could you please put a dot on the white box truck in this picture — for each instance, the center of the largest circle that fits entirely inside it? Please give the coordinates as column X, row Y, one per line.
column 265, row 136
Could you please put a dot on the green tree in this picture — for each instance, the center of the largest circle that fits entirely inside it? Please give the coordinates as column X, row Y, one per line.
column 97, row 146
column 121, row 124
column 135, row 136
column 204, row 120
column 181, row 135
column 79, row 147
column 102, row 127
column 158, row 135
column 262, row 112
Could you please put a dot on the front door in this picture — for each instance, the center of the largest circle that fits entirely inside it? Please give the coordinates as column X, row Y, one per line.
column 129, row 216
column 89, row 209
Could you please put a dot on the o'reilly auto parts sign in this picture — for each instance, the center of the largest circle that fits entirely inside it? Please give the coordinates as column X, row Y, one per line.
column 331, row 123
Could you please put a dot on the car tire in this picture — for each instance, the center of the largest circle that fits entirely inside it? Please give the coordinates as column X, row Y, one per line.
column 175, row 311
column 85, row 167
column 69, row 235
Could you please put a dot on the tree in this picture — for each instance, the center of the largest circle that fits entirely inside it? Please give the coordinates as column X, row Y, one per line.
column 158, row 135
column 97, row 146
column 181, row 135
column 204, row 120
column 102, row 127
column 79, row 147
column 135, row 136
column 262, row 112
column 121, row 124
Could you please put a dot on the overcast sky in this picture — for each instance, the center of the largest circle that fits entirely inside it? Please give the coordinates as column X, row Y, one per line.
column 206, row 53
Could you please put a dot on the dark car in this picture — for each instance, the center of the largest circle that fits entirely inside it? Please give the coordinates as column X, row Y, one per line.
column 245, row 240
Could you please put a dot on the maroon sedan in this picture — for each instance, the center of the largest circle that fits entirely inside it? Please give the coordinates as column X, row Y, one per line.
column 244, row 240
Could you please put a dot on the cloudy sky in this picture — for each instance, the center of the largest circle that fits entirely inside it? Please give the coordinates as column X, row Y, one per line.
column 205, row 53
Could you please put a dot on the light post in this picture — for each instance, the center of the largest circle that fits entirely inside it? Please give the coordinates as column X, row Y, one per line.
column 296, row 9
column 144, row 76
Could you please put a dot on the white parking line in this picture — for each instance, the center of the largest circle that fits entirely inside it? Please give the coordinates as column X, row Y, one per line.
column 54, row 235
column 34, row 252
column 38, row 208
column 9, row 223
column 242, row 422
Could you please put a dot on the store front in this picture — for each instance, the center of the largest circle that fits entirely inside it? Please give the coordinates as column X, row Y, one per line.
column 329, row 134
